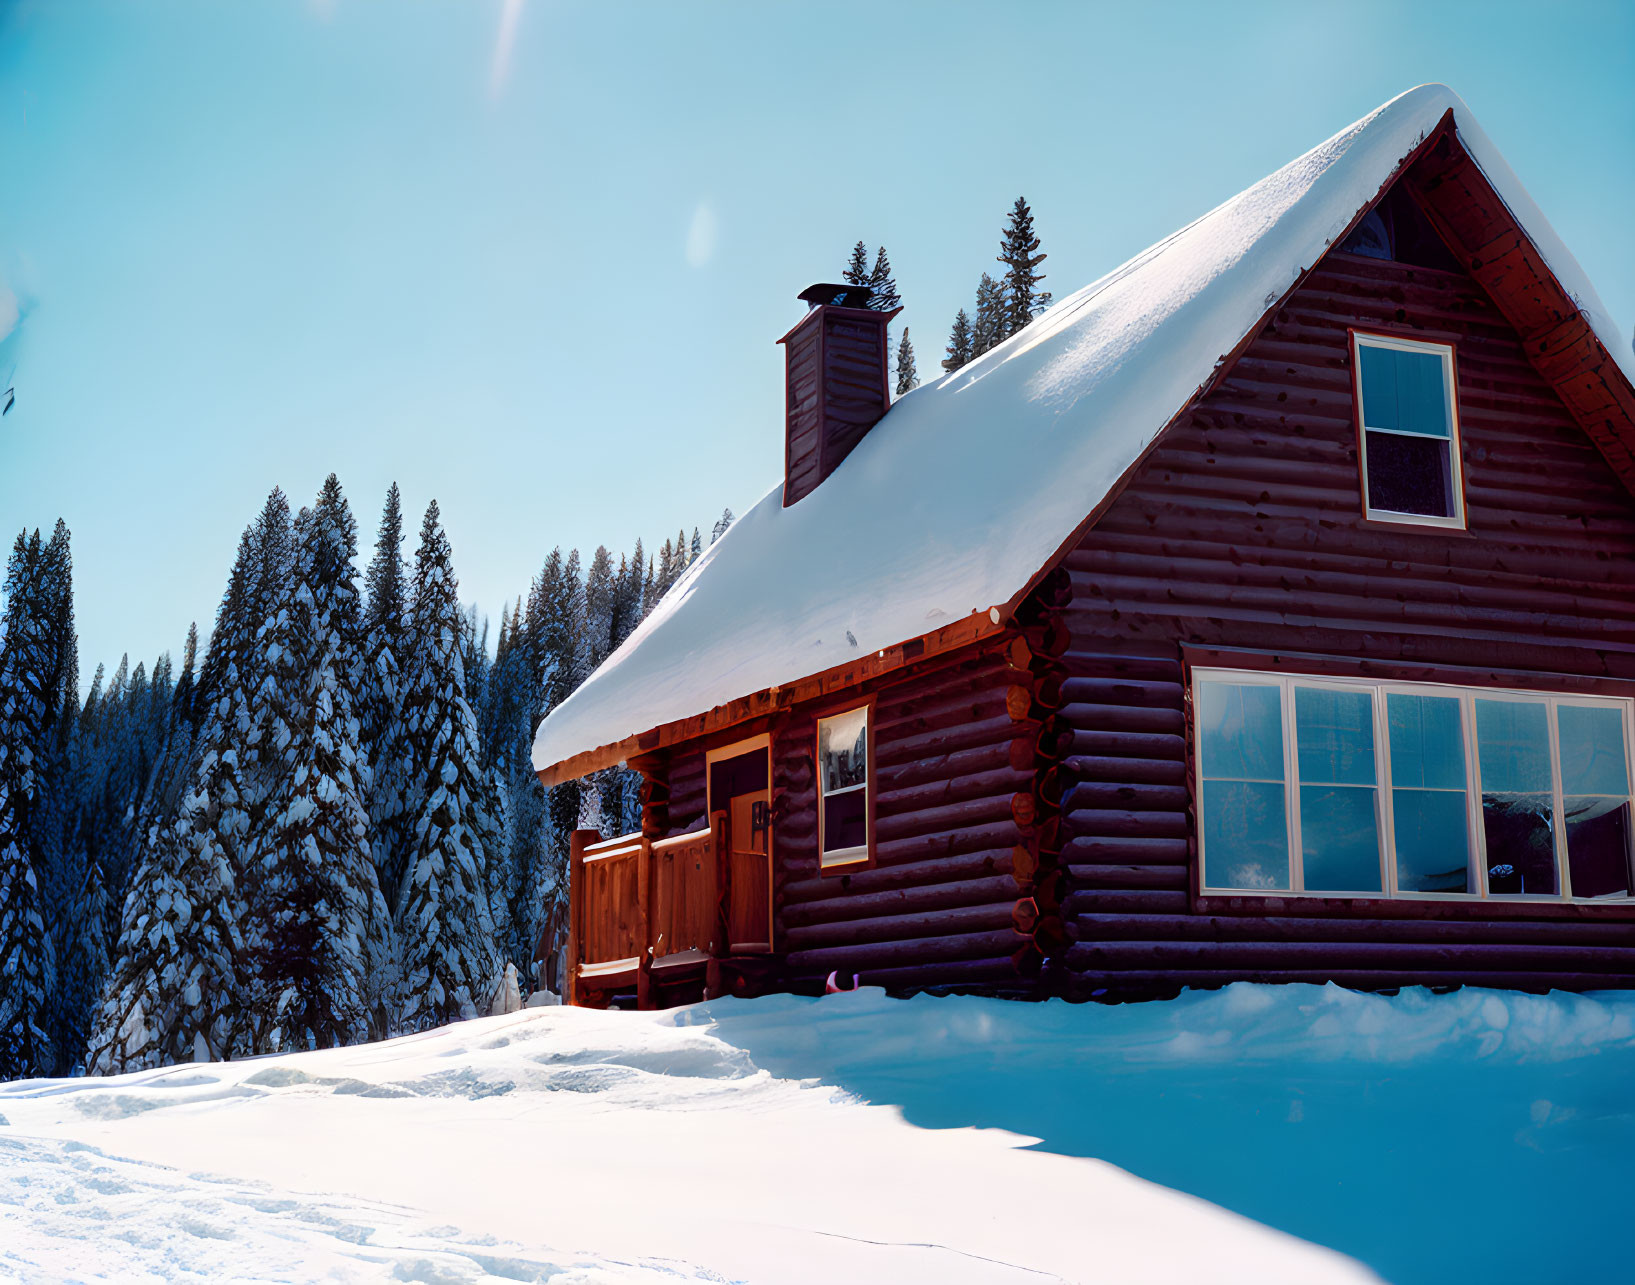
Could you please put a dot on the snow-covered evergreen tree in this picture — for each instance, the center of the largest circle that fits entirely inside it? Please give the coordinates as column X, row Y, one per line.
column 176, row 990
column 992, row 313
column 385, row 637
column 696, row 548
column 26, row 696
column 320, row 938
column 450, row 966
column 1019, row 252
column 961, row 346
column 600, row 607
column 722, row 523
column 908, row 377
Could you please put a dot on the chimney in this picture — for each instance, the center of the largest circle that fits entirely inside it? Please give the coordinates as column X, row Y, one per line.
column 837, row 385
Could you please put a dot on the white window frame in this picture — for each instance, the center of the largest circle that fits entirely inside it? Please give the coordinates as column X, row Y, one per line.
column 1361, row 339
column 860, row 853
column 1384, row 803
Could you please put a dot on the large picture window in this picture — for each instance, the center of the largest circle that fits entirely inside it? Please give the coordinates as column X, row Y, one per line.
column 1410, row 431
column 1336, row 787
column 843, row 787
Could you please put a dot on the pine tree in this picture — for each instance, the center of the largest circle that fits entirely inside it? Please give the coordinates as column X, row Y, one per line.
column 908, row 378
column 600, row 614
column 320, row 937
column 991, row 314
column 697, row 548
column 26, row 696
column 1018, row 251
column 174, row 994
column 382, row 735
column 857, row 267
column 885, row 297
column 726, row 519
column 961, row 346
column 451, row 968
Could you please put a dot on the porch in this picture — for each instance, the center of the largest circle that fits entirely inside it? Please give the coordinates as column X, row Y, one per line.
column 668, row 920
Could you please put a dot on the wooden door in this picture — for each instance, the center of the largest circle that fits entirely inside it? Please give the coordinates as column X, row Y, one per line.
column 739, row 786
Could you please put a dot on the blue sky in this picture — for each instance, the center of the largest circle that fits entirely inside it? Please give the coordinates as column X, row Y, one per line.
column 532, row 258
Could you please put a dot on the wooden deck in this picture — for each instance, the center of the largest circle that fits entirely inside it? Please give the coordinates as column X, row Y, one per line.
column 647, row 914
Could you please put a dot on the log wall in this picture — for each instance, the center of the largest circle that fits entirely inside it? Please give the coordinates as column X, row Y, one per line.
column 1243, row 530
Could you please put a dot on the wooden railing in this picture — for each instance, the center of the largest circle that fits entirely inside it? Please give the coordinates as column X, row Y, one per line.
column 640, row 906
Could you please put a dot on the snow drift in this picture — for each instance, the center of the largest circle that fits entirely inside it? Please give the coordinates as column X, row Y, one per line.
column 1479, row 1135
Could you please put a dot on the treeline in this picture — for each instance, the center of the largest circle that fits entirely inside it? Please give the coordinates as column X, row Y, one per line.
column 1003, row 306
column 326, row 829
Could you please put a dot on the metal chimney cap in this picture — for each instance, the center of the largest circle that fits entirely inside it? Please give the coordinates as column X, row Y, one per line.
column 841, row 293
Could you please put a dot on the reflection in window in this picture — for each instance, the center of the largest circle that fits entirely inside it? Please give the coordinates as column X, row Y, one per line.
column 1339, row 828
column 1240, row 744
column 1595, row 796
column 1490, row 794
column 1428, row 797
column 843, row 784
column 1518, row 801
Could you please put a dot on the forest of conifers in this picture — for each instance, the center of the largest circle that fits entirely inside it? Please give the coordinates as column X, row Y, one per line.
column 324, row 829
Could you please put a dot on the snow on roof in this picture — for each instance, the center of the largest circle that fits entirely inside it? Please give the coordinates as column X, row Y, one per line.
column 971, row 484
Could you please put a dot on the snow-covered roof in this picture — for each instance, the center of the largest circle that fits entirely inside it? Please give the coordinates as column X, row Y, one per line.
column 969, row 485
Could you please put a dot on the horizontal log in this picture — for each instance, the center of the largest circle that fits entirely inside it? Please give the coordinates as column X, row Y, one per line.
column 922, row 950
column 940, row 818
column 982, row 890
column 1120, row 823
column 893, row 799
column 1000, row 730
column 1135, row 902
column 1146, row 693
column 954, row 975
column 946, row 767
column 1101, row 956
column 1097, row 743
column 1136, row 849
column 1168, row 980
column 1099, row 795
column 1124, row 718
column 947, row 867
column 1133, row 771
column 1084, row 875
column 942, row 844
column 899, row 928
column 1108, row 926
column 1089, row 661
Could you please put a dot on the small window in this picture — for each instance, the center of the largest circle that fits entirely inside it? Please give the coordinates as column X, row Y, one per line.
column 1362, row 787
column 1410, row 432
column 843, row 787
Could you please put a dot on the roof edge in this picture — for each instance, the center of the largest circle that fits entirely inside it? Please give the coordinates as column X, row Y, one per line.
column 976, row 628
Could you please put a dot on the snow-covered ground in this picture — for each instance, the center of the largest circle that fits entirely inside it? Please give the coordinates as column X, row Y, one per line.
column 1473, row 1136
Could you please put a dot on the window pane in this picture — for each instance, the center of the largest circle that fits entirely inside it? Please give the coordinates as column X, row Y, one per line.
column 1598, row 845
column 1592, row 750
column 1432, row 838
column 1422, row 405
column 845, row 820
column 1409, row 474
column 1379, row 386
column 1403, row 390
column 1246, row 836
column 1520, row 853
column 1513, row 746
column 843, row 749
column 1339, row 839
column 1427, row 742
column 1240, row 731
column 1334, row 733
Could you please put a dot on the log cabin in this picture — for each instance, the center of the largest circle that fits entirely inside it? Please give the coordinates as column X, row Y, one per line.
column 1263, row 611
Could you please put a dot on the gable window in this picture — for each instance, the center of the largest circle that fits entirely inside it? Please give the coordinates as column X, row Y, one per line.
column 843, row 787
column 1368, row 788
column 1409, row 424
